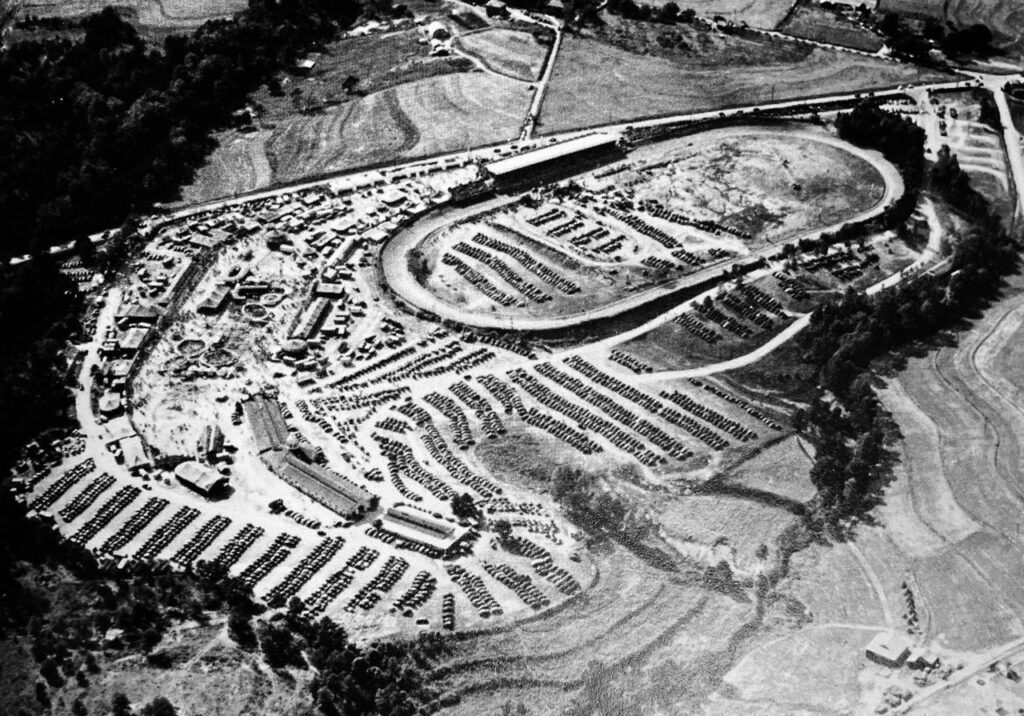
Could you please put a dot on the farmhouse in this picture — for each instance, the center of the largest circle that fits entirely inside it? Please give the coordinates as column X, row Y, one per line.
column 496, row 8
column 204, row 480
column 554, row 162
column 888, row 649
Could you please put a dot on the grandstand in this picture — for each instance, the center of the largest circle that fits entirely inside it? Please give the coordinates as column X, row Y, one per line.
column 554, row 162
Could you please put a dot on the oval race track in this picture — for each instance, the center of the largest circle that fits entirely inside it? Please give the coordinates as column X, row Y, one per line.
column 398, row 278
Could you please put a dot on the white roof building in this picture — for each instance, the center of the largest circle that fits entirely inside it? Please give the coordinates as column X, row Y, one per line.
column 543, row 155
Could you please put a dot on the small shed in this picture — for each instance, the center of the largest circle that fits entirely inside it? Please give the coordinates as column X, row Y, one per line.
column 204, row 480
column 438, row 31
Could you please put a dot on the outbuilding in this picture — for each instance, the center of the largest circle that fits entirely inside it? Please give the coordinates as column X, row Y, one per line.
column 204, row 480
column 437, row 31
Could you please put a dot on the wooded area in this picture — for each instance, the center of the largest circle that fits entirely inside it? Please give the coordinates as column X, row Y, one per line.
column 847, row 334
column 94, row 130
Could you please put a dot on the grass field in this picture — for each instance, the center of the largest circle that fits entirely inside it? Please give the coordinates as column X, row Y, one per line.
column 809, row 20
column 153, row 13
column 439, row 114
column 780, row 468
column 596, row 83
column 812, row 670
column 764, row 14
column 514, row 53
column 670, row 346
column 238, row 164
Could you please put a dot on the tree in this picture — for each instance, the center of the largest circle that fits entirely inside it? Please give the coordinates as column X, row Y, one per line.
column 120, row 705
column 240, row 630
column 503, row 528
column 159, row 706
column 890, row 25
column 464, row 507
column 668, row 13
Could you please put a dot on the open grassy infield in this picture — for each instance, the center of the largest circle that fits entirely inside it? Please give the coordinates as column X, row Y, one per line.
column 181, row 14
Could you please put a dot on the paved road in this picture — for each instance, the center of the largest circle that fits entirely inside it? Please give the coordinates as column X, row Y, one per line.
column 395, row 258
column 975, row 666
column 487, row 152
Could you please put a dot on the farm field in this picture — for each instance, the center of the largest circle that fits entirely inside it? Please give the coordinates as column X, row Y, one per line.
column 430, row 116
column 444, row 113
column 811, row 21
column 595, row 83
column 515, row 53
column 947, row 526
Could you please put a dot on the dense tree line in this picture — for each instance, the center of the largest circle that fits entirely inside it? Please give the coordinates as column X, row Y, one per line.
column 668, row 14
column 39, row 309
column 845, row 335
column 389, row 678
column 899, row 140
column 916, row 45
column 94, row 129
